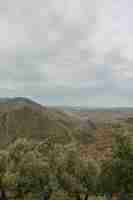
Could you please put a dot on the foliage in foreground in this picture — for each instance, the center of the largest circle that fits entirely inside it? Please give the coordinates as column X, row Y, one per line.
column 33, row 171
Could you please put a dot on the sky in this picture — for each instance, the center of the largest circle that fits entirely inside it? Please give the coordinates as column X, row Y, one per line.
column 67, row 52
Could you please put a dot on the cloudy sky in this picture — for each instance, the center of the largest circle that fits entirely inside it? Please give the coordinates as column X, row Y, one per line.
column 67, row 52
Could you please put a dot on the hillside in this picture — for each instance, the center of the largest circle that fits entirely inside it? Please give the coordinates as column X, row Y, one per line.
column 90, row 131
column 101, row 114
column 98, row 128
column 20, row 117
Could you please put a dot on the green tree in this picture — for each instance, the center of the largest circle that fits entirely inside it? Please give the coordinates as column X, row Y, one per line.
column 117, row 173
column 77, row 176
column 3, row 168
column 28, row 171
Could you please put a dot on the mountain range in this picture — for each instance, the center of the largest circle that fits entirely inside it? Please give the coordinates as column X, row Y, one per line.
column 91, row 130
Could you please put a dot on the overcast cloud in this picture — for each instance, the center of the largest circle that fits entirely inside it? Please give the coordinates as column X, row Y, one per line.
column 67, row 52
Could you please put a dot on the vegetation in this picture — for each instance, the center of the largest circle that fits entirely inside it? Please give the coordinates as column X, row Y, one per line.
column 73, row 160
column 30, row 170
column 117, row 173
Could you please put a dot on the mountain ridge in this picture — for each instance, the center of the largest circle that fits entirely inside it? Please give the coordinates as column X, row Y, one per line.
column 22, row 117
column 91, row 132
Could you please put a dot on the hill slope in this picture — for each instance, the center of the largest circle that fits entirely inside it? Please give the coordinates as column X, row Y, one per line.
column 20, row 117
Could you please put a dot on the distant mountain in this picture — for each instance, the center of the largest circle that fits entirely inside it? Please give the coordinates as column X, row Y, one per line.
column 100, row 114
column 22, row 117
column 17, row 101
column 97, row 109
column 91, row 131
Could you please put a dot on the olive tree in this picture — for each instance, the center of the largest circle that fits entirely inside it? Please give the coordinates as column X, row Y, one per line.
column 28, row 172
column 117, row 173
column 76, row 175
column 3, row 168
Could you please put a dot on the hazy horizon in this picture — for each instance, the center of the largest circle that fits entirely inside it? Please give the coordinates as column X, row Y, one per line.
column 44, row 103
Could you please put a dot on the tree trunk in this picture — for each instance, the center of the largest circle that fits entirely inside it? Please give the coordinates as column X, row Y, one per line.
column 115, row 196
column 108, row 195
column 78, row 196
column 47, row 196
column 86, row 197
column 3, row 195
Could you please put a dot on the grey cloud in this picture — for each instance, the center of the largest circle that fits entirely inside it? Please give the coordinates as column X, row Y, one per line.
column 66, row 51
